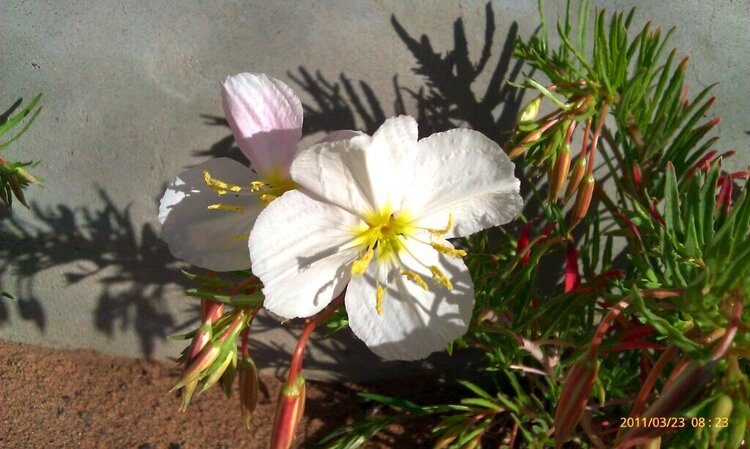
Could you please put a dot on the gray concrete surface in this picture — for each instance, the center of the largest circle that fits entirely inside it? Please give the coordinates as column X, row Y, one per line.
column 130, row 99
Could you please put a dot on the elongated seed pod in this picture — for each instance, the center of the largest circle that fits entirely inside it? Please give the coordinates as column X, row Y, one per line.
column 583, row 200
column 560, row 172
column 576, row 175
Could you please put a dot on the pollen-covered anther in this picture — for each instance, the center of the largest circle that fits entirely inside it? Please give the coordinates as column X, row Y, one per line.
column 445, row 230
column 448, row 251
column 380, row 292
column 227, row 207
column 267, row 198
column 414, row 277
column 256, row 186
column 219, row 186
column 439, row 277
column 359, row 265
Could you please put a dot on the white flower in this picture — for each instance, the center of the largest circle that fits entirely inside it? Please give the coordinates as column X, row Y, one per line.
column 207, row 212
column 374, row 213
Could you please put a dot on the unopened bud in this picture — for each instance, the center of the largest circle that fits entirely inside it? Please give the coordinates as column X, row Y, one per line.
column 637, row 174
column 572, row 276
column 583, row 200
column 526, row 142
column 289, row 411
column 249, row 386
column 17, row 189
column 218, row 371
column 187, row 393
column 227, row 379
column 574, row 396
column 560, row 172
column 530, row 111
column 202, row 362
column 576, row 175
column 202, row 336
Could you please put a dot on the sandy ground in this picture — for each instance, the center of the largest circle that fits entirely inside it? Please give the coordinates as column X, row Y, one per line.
column 80, row 399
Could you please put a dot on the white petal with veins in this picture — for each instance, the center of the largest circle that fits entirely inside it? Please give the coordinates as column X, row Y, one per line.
column 209, row 238
column 414, row 322
column 301, row 249
column 465, row 174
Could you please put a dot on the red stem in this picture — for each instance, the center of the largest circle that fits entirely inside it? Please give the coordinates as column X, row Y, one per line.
column 595, row 138
column 295, row 366
column 604, row 326
column 640, row 400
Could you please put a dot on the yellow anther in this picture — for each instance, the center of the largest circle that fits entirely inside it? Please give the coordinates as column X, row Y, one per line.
column 219, row 186
column 267, row 198
column 414, row 277
column 255, row 186
column 359, row 265
column 227, row 207
column 439, row 277
column 448, row 251
column 445, row 229
column 379, row 299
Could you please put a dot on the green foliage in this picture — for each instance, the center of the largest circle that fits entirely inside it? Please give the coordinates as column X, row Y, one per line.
column 652, row 302
column 14, row 175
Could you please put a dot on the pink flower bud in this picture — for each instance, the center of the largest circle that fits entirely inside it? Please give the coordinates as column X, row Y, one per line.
column 202, row 362
column 289, row 411
column 572, row 276
column 574, row 396
column 248, row 389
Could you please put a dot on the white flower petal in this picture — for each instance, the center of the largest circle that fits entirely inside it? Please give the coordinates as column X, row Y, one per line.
column 212, row 239
column 362, row 174
column 342, row 134
column 463, row 173
column 414, row 322
column 266, row 118
column 300, row 251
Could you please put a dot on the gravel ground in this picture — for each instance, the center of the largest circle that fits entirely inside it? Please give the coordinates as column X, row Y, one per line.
column 52, row 398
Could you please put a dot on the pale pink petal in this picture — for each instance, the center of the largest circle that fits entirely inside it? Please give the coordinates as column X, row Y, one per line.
column 266, row 118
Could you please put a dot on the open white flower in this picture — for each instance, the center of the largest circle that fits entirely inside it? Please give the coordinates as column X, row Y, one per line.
column 374, row 213
column 207, row 212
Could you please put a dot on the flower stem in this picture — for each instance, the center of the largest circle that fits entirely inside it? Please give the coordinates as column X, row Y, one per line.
column 295, row 367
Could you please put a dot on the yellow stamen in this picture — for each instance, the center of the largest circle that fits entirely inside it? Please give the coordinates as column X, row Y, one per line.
column 448, row 251
column 267, row 198
column 414, row 277
column 255, row 186
column 439, row 277
column 359, row 265
column 219, row 186
column 379, row 299
column 227, row 207
column 444, row 230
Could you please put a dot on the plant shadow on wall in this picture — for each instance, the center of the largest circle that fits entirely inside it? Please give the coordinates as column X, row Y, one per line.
column 100, row 246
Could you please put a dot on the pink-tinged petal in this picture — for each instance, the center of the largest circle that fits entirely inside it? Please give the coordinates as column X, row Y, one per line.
column 362, row 174
column 266, row 118
column 301, row 251
column 209, row 238
column 414, row 322
column 463, row 174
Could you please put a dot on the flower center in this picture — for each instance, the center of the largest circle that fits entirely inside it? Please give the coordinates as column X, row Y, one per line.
column 274, row 187
column 382, row 236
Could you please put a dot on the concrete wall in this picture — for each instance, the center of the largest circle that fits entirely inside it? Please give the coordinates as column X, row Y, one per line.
column 131, row 98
